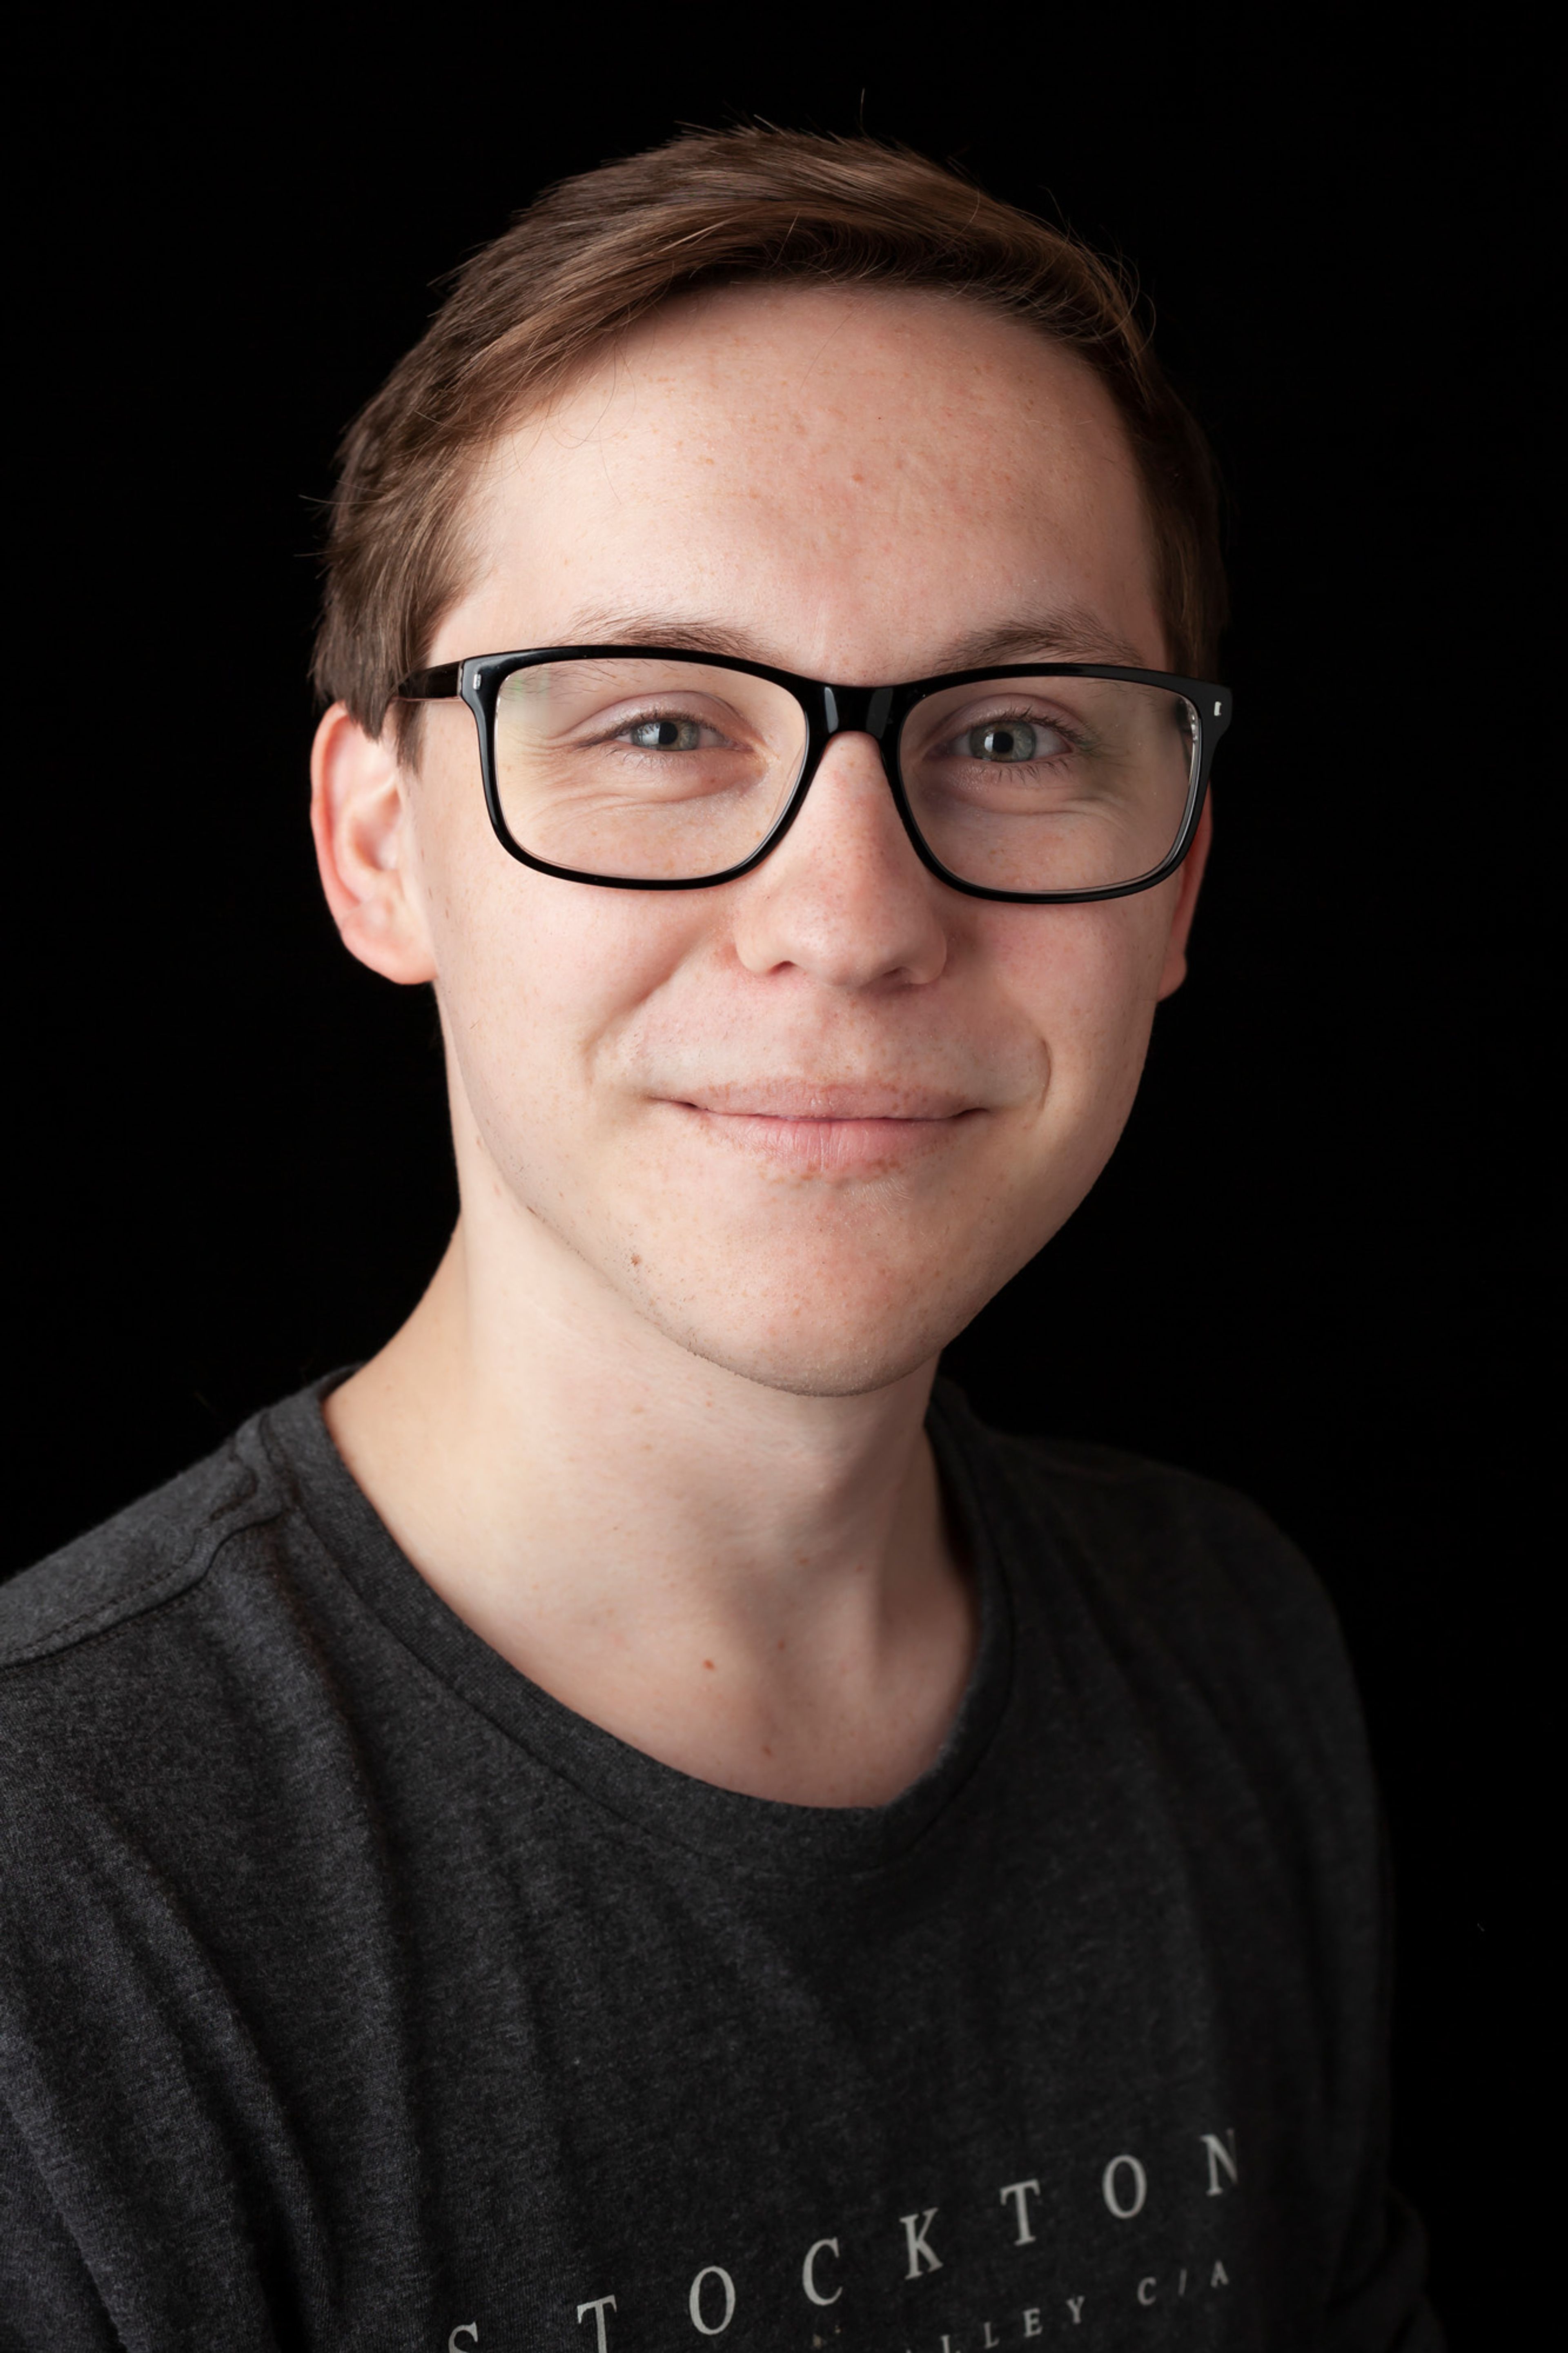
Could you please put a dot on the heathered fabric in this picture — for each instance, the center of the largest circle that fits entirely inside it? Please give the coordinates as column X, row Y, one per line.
column 354, row 1994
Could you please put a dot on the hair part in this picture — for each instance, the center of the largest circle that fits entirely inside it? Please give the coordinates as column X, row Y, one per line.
column 599, row 252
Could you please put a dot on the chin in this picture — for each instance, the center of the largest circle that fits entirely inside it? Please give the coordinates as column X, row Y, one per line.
column 819, row 1291
column 813, row 1364
column 821, row 1338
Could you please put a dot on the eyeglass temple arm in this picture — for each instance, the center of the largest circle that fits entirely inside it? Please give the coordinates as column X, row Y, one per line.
column 436, row 685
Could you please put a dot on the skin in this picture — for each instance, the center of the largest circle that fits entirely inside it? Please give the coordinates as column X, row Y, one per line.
column 735, row 1163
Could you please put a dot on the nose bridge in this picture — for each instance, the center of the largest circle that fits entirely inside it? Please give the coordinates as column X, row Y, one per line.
column 844, row 897
column 861, row 711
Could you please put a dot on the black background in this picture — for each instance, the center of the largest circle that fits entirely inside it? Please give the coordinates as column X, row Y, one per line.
column 231, row 1160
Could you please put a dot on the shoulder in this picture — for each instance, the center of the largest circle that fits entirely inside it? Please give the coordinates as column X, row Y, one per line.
column 1165, row 1534
column 141, row 1673
column 1171, row 1537
column 144, row 1559
column 1193, row 1590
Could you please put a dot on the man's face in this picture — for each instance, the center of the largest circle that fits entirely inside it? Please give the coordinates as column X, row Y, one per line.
column 807, row 1122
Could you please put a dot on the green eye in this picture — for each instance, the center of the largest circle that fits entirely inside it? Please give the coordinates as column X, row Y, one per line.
column 1010, row 742
column 665, row 736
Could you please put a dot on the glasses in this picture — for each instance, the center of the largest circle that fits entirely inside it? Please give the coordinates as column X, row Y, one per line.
column 649, row 769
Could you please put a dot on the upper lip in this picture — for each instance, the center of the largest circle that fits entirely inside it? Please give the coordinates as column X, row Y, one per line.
column 822, row 1099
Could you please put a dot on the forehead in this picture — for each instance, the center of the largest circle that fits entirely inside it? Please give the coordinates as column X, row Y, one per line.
column 873, row 471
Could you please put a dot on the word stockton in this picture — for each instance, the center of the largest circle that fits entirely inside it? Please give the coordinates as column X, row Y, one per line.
column 713, row 2298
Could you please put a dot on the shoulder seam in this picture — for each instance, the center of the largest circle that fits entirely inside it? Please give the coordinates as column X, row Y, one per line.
column 111, row 1615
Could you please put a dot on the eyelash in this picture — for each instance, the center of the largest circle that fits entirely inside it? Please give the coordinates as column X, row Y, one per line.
column 1070, row 736
column 658, row 719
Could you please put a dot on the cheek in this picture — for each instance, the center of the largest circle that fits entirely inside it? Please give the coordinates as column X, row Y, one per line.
column 534, row 974
column 1085, row 979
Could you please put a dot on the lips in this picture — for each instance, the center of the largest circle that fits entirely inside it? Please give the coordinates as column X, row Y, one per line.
column 817, row 1128
column 828, row 1100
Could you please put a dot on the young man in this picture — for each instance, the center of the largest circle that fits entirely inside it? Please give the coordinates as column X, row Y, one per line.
column 625, row 1820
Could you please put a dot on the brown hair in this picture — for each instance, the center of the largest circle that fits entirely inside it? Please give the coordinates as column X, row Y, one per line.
column 599, row 251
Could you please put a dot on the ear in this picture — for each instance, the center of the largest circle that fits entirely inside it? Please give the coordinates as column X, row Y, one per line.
column 360, row 818
column 1191, row 876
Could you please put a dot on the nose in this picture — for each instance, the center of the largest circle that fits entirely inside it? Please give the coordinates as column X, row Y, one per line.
column 844, row 897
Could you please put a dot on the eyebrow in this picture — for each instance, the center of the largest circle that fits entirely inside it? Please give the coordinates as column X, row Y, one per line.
column 1070, row 633
column 1067, row 633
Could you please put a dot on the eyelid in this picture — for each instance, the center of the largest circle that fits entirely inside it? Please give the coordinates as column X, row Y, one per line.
column 1073, row 736
column 1009, row 701
column 1016, row 705
column 606, row 726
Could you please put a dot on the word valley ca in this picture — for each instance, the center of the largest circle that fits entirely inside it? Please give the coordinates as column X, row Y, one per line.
column 713, row 2304
column 917, row 2256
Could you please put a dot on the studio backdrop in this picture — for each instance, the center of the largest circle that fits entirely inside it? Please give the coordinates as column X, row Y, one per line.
column 235, row 1173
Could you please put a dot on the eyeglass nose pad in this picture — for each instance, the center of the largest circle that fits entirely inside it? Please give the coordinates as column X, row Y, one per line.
column 857, row 710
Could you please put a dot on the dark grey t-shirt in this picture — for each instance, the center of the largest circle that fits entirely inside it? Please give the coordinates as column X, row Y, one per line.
column 357, row 1995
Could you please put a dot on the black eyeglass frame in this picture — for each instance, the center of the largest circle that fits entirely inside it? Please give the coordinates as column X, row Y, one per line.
column 829, row 709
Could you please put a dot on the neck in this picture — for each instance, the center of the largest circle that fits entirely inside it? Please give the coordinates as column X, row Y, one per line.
column 754, row 1585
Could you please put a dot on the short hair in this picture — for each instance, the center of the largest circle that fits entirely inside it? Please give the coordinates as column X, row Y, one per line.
column 600, row 251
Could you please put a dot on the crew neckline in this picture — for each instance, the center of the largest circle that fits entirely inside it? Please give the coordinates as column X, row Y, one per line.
column 761, row 1834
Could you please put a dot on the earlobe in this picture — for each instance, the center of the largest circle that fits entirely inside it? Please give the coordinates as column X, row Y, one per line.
column 359, row 817
column 1192, row 874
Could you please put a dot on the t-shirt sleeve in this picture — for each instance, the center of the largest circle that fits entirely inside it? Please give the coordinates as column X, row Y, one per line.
column 1380, row 2303
column 1386, row 2310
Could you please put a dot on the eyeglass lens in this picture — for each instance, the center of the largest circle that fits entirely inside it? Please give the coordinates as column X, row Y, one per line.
column 650, row 771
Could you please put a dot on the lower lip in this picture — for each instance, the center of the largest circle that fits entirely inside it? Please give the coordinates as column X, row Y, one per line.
column 831, row 1147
